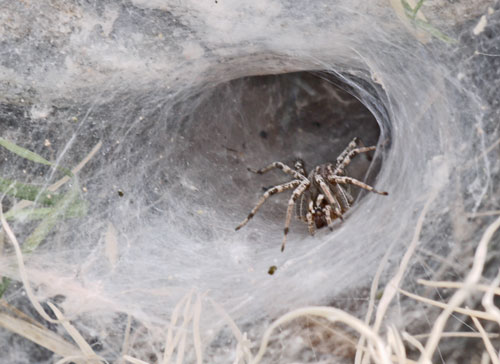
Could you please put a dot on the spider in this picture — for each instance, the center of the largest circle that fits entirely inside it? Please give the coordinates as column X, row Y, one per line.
column 322, row 192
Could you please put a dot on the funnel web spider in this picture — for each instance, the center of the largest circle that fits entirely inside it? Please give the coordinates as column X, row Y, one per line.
column 322, row 192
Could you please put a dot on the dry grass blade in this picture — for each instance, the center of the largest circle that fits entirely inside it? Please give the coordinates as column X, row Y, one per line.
column 134, row 360
column 22, row 269
column 196, row 331
column 85, row 348
column 392, row 287
column 77, row 168
column 78, row 359
column 243, row 343
column 395, row 342
column 38, row 335
column 487, row 301
column 413, row 341
column 460, row 295
column 371, row 304
column 486, row 340
column 376, row 346
column 483, row 214
column 458, row 334
column 176, row 342
column 468, row 312
column 126, row 339
column 75, row 335
column 15, row 312
column 449, row 284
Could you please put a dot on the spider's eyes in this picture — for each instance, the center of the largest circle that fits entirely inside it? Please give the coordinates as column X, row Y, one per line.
column 299, row 163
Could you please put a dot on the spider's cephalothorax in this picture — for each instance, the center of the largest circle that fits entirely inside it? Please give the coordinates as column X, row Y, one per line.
column 323, row 192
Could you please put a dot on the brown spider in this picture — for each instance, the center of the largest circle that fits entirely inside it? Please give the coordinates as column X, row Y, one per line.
column 323, row 196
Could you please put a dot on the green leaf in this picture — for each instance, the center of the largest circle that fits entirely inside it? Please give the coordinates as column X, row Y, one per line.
column 435, row 32
column 417, row 8
column 77, row 209
column 28, row 192
column 28, row 214
column 409, row 11
column 24, row 153
column 407, row 7
column 29, row 155
column 412, row 14
column 4, row 285
column 53, row 217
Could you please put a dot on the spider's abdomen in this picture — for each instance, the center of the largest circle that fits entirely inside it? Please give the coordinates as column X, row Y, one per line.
column 320, row 221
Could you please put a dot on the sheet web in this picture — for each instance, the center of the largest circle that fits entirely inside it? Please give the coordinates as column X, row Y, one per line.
column 141, row 120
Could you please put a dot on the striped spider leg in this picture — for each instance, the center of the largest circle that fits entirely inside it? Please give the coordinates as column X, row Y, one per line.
column 272, row 191
column 300, row 177
column 352, row 150
column 304, row 185
column 348, row 180
column 300, row 184
column 337, row 175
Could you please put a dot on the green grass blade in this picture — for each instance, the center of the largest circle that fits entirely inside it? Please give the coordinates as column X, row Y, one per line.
column 4, row 285
column 435, row 32
column 24, row 153
column 29, row 155
column 407, row 7
column 411, row 13
column 28, row 192
column 417, row 8
column 53, row 217
column 77, row 209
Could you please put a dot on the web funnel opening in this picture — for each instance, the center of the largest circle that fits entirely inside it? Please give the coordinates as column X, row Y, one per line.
column 254, row 121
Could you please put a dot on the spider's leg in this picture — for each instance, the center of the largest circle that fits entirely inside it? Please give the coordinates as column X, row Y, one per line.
column 301, row 208
column 350, row 199
column 304, row 185
column 327, row 210
column 310, row 223
column 265, row 196
column 343, row 163
column 319, row 203
column 342, row 196
column 319, row 200
column 281, row 166
column 331, row 200
column 355, row 182
column 353, row 144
